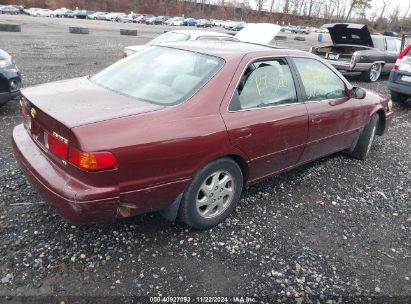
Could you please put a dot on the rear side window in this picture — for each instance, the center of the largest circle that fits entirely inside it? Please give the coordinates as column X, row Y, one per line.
column 378, row 43
column 159, row 75
column 264, row 83
column 319, row 81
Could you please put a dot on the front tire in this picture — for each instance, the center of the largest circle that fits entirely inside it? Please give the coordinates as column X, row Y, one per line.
column 212, row 194
column 395, row 96
column 373, row 74
column 366, row 139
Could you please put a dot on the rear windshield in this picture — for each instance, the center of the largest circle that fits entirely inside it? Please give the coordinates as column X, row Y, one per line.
column 169, row 37
column 159, row 75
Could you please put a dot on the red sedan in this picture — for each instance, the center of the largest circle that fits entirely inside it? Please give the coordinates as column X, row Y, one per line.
column 183, row 127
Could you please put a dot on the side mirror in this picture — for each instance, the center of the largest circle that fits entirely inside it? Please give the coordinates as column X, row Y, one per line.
column 359, row 93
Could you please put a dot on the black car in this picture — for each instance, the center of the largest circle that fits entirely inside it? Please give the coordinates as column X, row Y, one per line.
column 238, row 26
column 80, row 14
column 356, row 51
column 68, row 14
column 204, row 23
column 10, row 79
column 399, row 82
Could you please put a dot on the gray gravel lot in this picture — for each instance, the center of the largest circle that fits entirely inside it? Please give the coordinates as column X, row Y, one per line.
column 279, row 243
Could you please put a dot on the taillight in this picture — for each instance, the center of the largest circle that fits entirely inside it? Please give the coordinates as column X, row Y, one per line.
column 56, row 146
column 353, row 59
column 401, row 59
column 397, row 64
column 92, row 161
column 26, row 119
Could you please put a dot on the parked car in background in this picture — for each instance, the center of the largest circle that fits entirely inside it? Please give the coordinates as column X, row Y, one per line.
column 322, row 30
column 237, row 26
column 69, row 14
column 10, row 78
column 196, row 135
column 112, row 16
column 228, row 24
column 134, row 15
column 355, row 50
column 176, row 21
column 392, row 34
column 124, row 18
column 301, row 30
column 143, row 19
column 10, row 9
column 59, row 12
column 80, row 14
column 150, row 20
column 43, row 13
column 97, row 16
column 204, row 23
column 399, row 82
column 28, row 11
column 291, row 27
column 178, row 35
column 89, row 13
column 217, row 22
column 189, row 22
column 159, row 20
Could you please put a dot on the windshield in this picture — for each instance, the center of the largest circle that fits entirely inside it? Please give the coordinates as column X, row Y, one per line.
column 169, row 37
column 159, row 75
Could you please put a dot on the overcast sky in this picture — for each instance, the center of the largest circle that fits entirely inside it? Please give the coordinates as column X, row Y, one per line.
column 378, row 3
column 392, row 4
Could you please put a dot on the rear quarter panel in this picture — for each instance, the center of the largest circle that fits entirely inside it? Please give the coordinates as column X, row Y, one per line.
column 166, row 147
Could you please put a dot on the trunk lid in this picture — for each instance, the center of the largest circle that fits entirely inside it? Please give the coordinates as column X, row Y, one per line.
column 349, row 33
column 261, row 33
column 77, row 102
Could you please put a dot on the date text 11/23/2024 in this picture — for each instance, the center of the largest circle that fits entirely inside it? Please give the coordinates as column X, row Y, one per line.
column 203, row 299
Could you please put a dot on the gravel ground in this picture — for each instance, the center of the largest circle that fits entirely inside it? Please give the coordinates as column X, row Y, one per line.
column 337, row 230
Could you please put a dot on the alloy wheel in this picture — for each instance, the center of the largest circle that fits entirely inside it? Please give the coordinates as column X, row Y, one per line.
column 375, row 71
column 215, row 194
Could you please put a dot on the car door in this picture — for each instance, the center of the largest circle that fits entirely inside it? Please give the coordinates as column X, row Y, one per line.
column 334, row 118
column 391, row 53
column 265, row 118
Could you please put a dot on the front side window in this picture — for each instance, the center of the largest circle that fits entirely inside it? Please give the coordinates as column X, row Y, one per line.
column 319, row 81
column 264, row 83
column 159, row 75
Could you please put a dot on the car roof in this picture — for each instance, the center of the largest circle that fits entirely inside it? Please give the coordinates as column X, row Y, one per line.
column 232, row 49
column 198, row 33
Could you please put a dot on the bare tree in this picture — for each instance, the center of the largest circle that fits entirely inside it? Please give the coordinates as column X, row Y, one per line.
column 272, row 6
column 358, row 4
column 260, row 5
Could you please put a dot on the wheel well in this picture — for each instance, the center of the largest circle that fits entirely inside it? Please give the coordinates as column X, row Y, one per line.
column 381, row 122
column 241, row 163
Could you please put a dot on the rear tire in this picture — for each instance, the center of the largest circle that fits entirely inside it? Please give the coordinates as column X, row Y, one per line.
column 364, row 143
column 212, row 194
column 395, row 96
column 373, row 74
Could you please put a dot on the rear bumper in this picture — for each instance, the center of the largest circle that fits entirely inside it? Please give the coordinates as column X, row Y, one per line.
column 59, row 189
column 397, row 85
